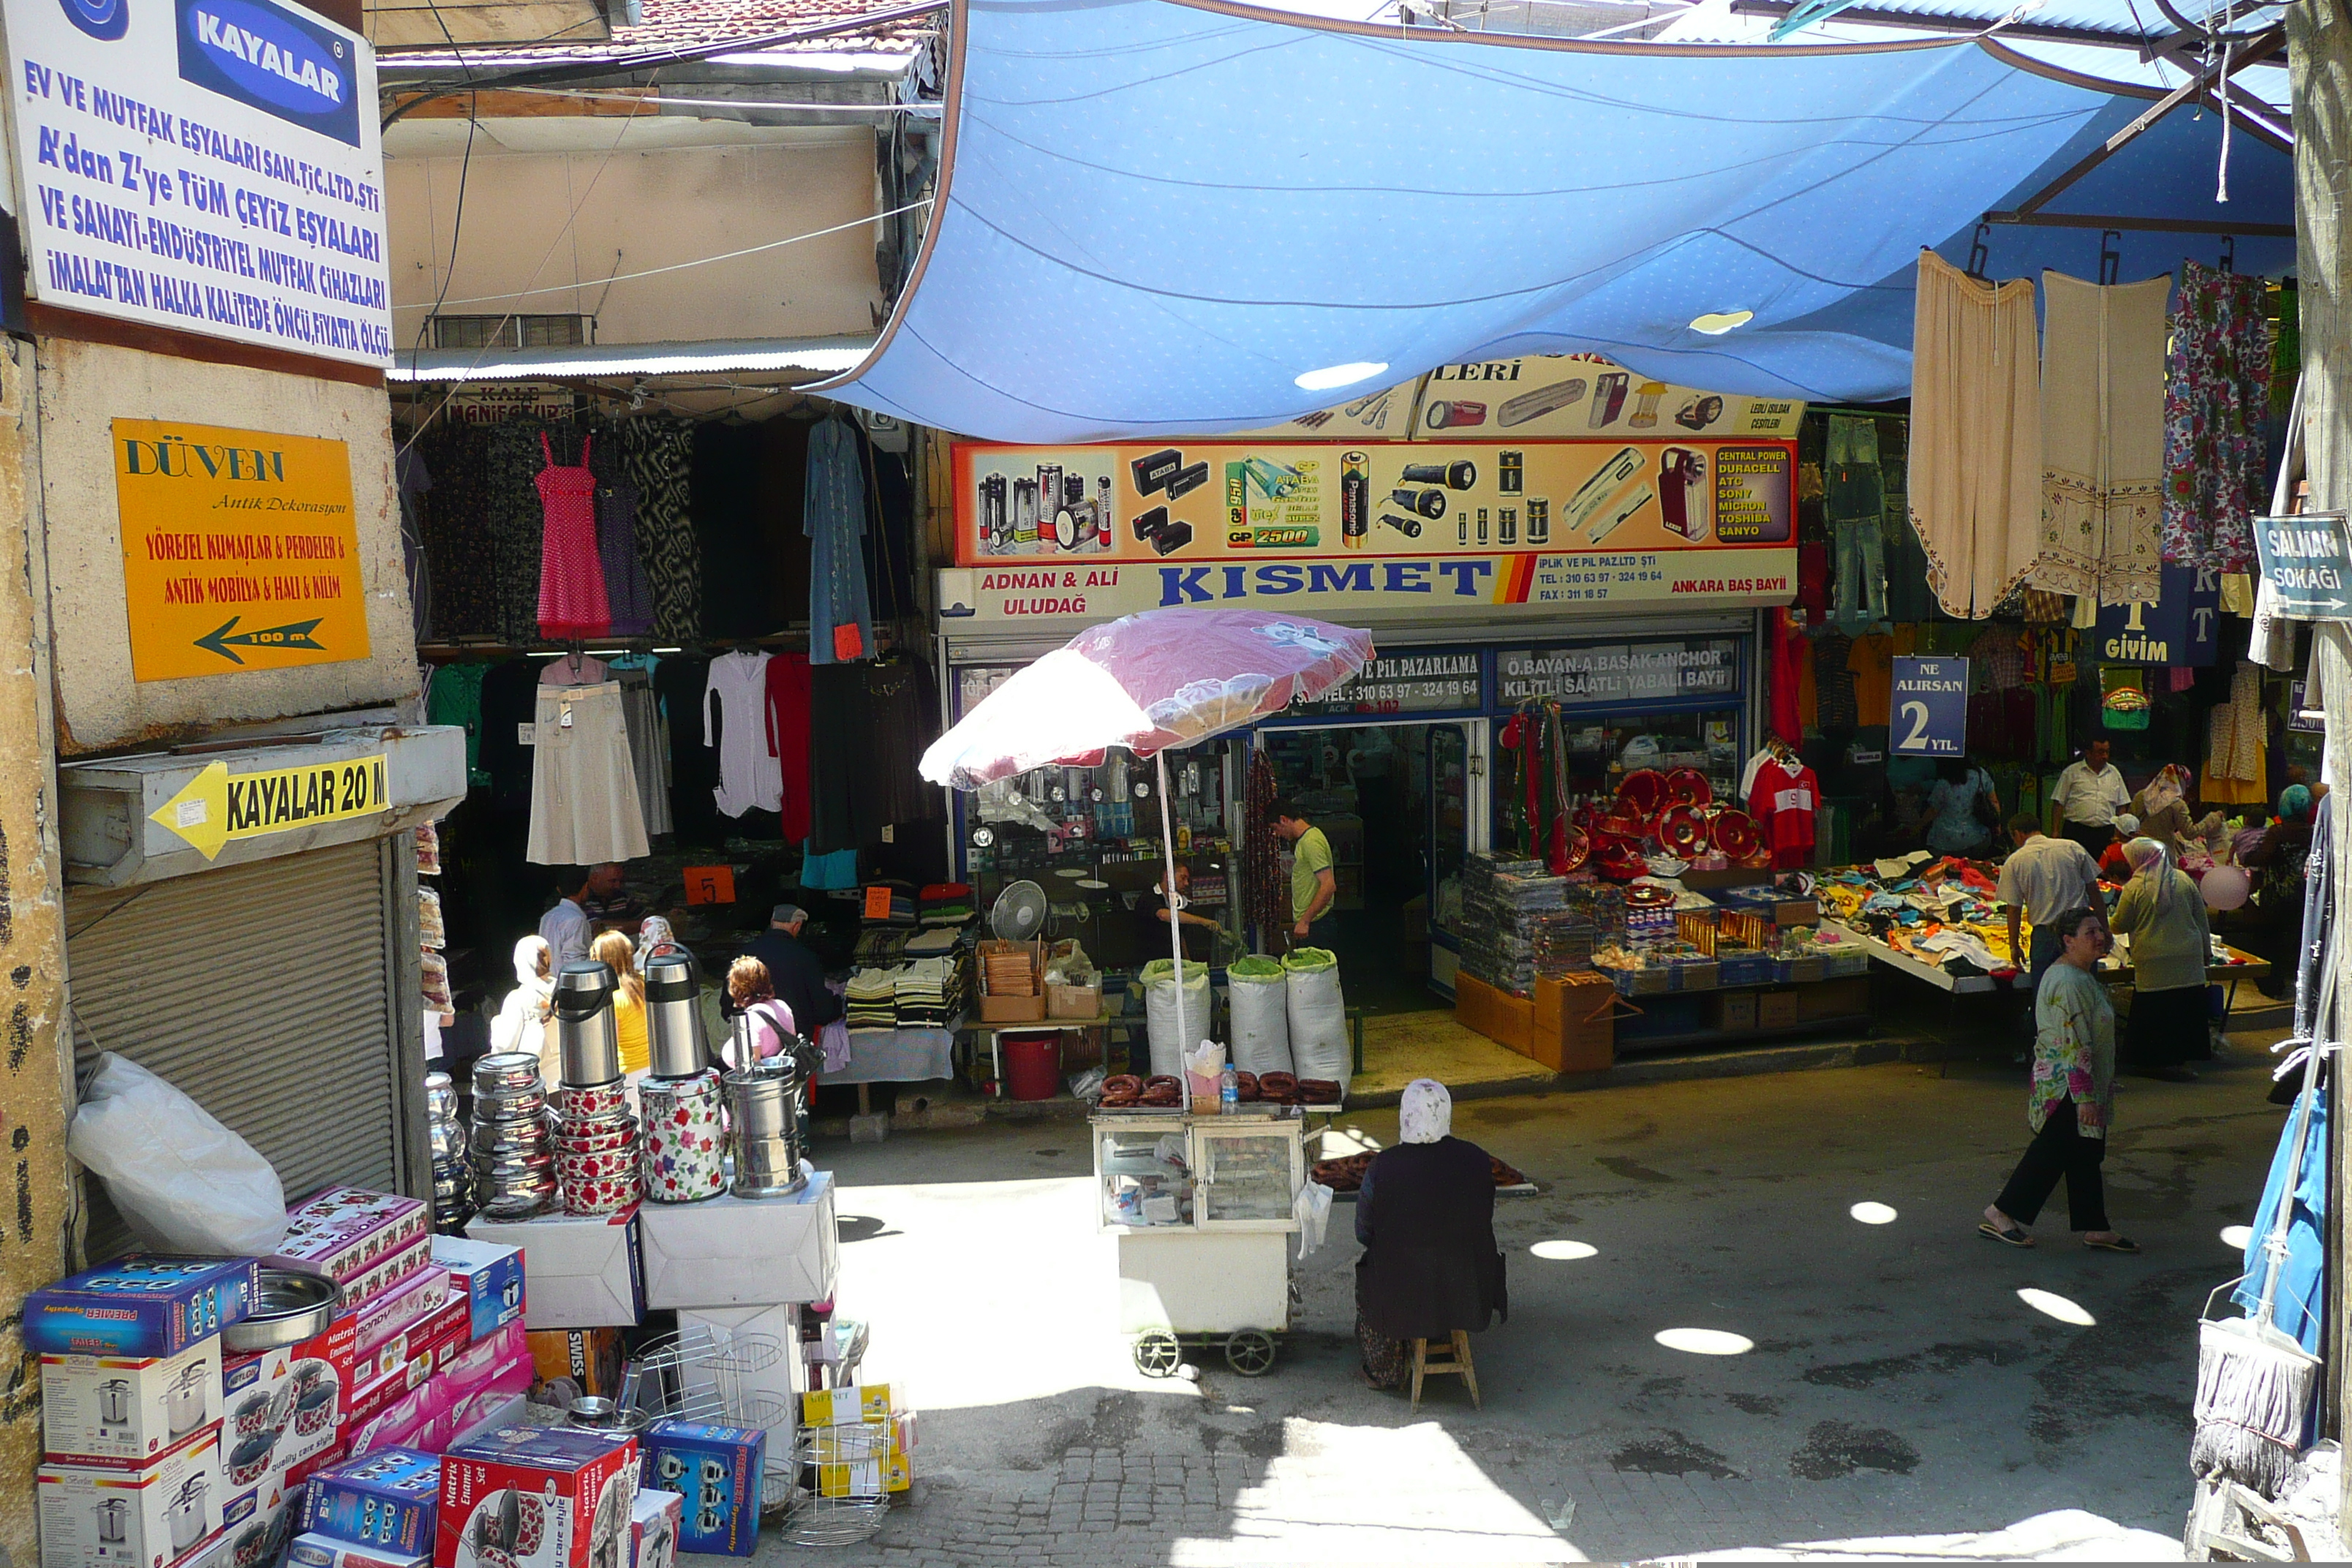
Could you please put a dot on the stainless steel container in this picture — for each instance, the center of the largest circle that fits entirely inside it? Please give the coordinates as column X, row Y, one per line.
column 584, row 1031
column 506, row 1071
column 440, row 1096
column 509, row 1104
column 291, row 1306
column 764, row 1105
column 674, row 1017
column 768, row 1167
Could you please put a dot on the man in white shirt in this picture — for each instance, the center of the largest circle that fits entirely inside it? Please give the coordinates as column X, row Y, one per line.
column 566, row 928
column 2043, row 878
column 2088, row 794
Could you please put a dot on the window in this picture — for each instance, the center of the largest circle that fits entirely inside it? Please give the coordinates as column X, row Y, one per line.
column 512, row 331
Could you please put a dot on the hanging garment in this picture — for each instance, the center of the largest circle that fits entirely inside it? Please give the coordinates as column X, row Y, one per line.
column 1785, row 798
column 510, row 728
column 574, row 669
column 787, row 717
column 648, row 748
column 1870, row 661
column 748, row 775
column 682, row 689
column 1833, row 682
column 456, row 697
column 583, row 783
column 897, row 699
column 840, row 724
column 570, row 575
column 1976, row 436
column 2218, row 397
column 626, row 595
column 2101, row 438
column 460, row 551
column 841, row 620
column 515, row 519
column 657, row 458
column 2238, row 743
column 415, row 479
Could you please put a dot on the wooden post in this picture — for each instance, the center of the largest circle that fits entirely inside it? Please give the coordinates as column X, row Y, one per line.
column 2319, row 52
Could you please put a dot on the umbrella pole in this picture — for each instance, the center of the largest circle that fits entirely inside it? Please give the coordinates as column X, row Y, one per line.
column 1175, row 925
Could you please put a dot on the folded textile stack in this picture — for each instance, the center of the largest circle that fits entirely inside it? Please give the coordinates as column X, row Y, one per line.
column 902, row 905
column 934, row 942
column 872, row 1000
column 946, row 903
column 1500, row 901
column 928, row 994
column 881, row 947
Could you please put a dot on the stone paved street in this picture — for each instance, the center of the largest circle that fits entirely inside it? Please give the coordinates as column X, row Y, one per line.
column 1896, row 1384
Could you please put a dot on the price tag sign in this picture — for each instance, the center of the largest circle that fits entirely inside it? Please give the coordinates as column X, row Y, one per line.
column 878, row 902
column 2307, row 564
column 709, row 884
column 1931, row 708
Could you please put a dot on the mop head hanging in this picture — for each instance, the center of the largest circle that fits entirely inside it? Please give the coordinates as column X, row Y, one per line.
column 2254, row 1389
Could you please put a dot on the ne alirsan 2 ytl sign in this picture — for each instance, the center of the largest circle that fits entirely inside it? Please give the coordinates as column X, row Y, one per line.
column 212, row 165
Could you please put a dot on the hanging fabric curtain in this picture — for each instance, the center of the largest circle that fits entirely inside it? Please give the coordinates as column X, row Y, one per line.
column 2101, row 438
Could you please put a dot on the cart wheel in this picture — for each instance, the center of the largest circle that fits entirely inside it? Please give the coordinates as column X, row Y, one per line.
column 1156, row 1355
column 1250, row 1352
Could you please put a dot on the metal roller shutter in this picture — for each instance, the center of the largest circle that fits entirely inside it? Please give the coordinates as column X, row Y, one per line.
column 262, row 991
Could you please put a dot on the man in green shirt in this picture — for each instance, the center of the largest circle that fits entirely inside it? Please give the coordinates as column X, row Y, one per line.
column 1313, row 884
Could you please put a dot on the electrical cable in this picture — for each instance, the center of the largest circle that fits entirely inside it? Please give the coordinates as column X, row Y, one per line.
column 620, row 97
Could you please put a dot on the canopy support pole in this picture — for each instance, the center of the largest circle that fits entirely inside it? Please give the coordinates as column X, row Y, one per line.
column 1175, row 923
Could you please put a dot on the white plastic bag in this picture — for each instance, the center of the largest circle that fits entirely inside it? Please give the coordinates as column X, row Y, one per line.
column 1319, row 1018
column 1312, row 1210
column 1159, row 1012
column 182, row 1182
column 1261, row 1021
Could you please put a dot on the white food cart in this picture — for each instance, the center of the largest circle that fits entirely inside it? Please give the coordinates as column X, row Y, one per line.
column 1204, row 1207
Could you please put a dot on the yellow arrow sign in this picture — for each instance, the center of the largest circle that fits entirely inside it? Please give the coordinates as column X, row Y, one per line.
column 218, row 807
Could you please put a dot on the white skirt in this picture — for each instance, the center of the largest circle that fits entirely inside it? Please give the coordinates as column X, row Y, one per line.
column 1976, row 436
column 583, row 783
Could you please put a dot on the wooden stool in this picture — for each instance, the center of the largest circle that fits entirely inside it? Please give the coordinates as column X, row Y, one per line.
column 1456, row 1364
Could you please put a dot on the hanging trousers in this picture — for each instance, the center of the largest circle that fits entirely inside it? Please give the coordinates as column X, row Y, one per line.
column 2059, row 1150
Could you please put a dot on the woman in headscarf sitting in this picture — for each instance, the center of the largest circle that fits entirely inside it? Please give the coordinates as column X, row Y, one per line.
column 654, row 939
column 1426, row 1219
column 526, row 1022
column 2163, row 913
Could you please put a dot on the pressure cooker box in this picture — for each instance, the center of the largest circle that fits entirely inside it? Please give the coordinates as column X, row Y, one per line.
column 127, row 1411
column 653, row 1526
column 489, row 1275
column 528, row 1496
column 343, row 1233
column 326, row 1552
column 287, row 1404
column 387, row 1499
column 142, row 1304
column 103, row 1517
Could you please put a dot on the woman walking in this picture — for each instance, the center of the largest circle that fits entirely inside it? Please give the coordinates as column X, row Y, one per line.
column 2171, row 944
column 2072, row 1100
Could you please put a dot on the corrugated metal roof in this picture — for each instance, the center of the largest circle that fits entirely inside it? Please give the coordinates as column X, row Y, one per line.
column 761, row 356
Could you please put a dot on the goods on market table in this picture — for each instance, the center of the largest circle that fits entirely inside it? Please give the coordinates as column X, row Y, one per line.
column 1939, row 912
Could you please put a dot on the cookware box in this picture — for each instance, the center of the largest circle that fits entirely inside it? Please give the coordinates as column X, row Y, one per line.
column 128, row 1411
column 143, row 1304
column 156, row 1517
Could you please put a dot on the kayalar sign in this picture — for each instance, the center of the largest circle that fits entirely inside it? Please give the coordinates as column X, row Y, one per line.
column 210, row 165
column 219, row 807
column 239, row 549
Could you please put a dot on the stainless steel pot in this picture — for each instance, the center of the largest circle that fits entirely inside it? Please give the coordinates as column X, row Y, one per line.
column 506, row 1071
column 674, row 1034
column 509, row 1105
column 184, row 1403
column 188, row 1514
column 584, row 1030
column 114, row 1403
column 763, row 1102
column 440, row 1096
column 290, row 1307
column 768, row 1167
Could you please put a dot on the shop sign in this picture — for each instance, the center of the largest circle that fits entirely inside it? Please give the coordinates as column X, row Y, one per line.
column 1403, row 683
column 219, row 807
column 1620, row 672
column 1583, row 398
column 209, row 165
column 2307, row 566
column 239, row 549
column 2181, row 626
column 495, row 402
column 1930, row 707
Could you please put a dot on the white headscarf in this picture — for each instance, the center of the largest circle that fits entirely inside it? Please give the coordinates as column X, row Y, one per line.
column 529, row 955
column 654, row 938
column 1426, row 1111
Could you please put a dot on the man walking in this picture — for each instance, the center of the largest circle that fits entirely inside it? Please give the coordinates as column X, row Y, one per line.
column 2043, row 878
column 2088, row 794
column 1313, row 884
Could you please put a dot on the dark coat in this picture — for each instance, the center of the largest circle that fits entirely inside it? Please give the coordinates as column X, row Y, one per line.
column 1431, row 1265
column 799, row 977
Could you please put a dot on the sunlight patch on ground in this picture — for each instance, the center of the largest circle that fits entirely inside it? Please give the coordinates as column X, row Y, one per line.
column 2050, row 1304
column 1705, row 1341
column 1564, row 1251
column 1873, row 1214
column 2066, row 1535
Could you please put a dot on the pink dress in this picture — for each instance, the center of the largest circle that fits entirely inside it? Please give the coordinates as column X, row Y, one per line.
column 570, row 577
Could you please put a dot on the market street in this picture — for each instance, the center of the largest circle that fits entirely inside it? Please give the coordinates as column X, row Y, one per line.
column 1897, row 1384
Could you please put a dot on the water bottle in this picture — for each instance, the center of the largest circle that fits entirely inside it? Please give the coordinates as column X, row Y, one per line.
column 1229, row 1091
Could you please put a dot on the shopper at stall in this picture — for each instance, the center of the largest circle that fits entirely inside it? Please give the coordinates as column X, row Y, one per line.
column 2171, row 944
column 612, row 951
column 565, row 928
column 1425, row 1217
column 606, row 901
column 2088, row 794
column 655, row 940
column 1962, row 807
column 763, row 1022
column 2114, row 865
column 2162, row 808
column 1152, row 921
column 526, row 1022
column 2071, row 1102
column 600, row 901
column 2043, row 878
column 1314, row 885
column 795, row 973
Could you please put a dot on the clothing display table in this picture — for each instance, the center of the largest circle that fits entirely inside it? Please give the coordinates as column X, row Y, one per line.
column 2115, row 970
column 899, row 1056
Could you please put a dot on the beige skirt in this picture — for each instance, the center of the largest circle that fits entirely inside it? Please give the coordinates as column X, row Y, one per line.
column 2103, row 377
column 584, row 808
column 1976, row 436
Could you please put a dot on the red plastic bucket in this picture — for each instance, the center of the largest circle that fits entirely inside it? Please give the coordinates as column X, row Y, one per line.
column 1033, row 1065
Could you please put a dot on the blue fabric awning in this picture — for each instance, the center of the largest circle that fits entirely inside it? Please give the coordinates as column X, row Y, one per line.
column 1156, row 215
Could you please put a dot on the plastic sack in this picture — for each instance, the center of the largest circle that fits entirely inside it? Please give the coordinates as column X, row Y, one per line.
column 1318, row 1016
column 182, row 1181
column 1312, row 1209
column 1204, row 1070
column 1158, row 978
column 1261, row 1015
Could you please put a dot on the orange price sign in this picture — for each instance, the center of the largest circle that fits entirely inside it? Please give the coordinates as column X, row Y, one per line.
column 878, row 902
column 709, row 884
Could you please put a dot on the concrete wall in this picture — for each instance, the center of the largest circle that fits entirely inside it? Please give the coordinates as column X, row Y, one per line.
column 36, row 1065
column 638, row 211
column 83, row 388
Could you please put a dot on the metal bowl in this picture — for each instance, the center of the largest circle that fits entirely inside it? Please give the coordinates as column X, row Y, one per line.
column 290, row 1307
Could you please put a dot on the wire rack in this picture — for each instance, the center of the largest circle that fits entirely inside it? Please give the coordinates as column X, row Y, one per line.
column 837, row 1493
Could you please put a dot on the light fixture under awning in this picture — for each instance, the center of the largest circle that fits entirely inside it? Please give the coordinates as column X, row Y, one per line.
column 809, row 357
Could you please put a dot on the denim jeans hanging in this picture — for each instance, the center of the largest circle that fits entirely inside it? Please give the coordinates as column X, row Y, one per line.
column 1853, row 502
column 1861, row 576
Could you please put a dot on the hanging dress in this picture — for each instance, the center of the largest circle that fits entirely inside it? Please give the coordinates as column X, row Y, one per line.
column 570, row 577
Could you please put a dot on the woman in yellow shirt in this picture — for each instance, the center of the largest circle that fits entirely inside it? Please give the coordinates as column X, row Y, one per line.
column 615, row 953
